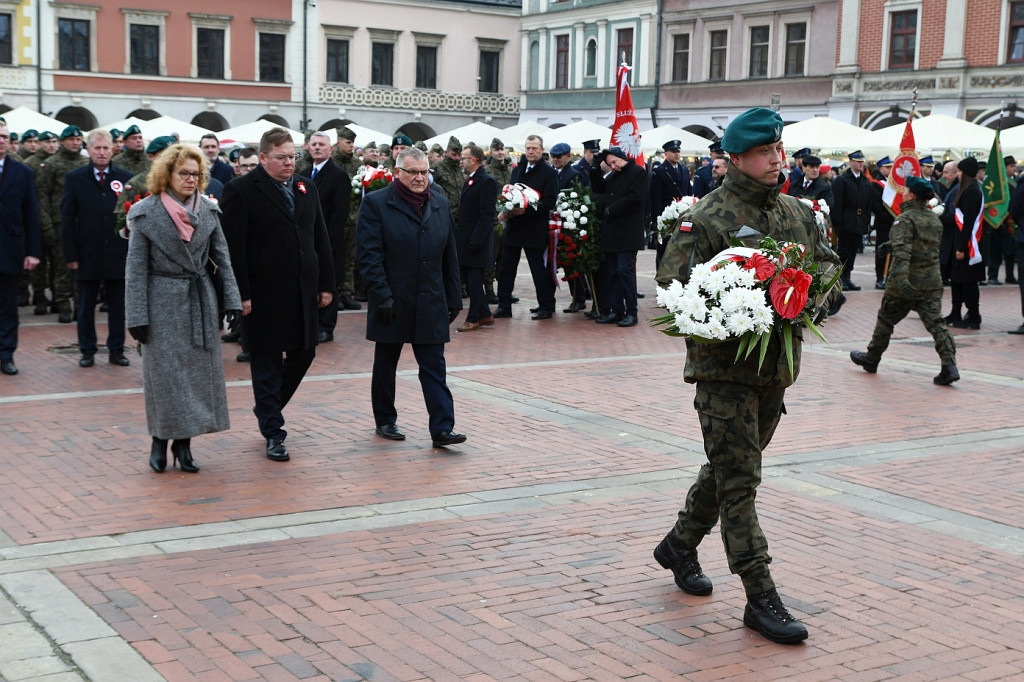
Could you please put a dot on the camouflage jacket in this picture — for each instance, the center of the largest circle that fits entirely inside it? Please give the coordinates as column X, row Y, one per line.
column 914, row 239
column 749, row 211
column 133, row 189
column 501, row 171
column 35, row 160
column 449, row 177
column 50, row 185
column 132, row 161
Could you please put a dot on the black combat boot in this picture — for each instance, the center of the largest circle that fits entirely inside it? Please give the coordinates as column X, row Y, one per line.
column 767, row 614
column 861, row 358
column 948, row 375
column 682, row 561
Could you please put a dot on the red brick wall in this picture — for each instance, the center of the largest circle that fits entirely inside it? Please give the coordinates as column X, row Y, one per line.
column 982, row 43
column 931, row 33
column 869, row 50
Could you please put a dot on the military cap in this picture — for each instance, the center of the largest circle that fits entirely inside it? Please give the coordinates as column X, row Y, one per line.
column 116, row 133
column 232, row 155
column 856, row 156
column 158, row 144
column 29, row 134
column 672, row 146
column 400, row 139
column 617, row 151
column 421, row 145
column 915, row 183
column 70, row 131
column 454, row 145
column 592, row 145
column 1008, row 160
column 926, row 161
column 370, row 145
column 969, row 165
column 47, row 135
column 498, row 144
column 436, row 148
column 751, row 128
column 14, row 137
column 560, row 149
column 384, row 149
column 812, row 161
column 716, row 148
column 346, row 133
column 801, row 153
column 132, row 130
column 884, row 161
column 982, row 165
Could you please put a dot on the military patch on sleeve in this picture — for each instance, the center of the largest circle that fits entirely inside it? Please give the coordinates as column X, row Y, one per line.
column 686, row 227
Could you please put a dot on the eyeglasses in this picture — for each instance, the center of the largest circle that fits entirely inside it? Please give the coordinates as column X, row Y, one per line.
column 284, row 158
column 418, row 173
column 186, row 175
column 248, row 166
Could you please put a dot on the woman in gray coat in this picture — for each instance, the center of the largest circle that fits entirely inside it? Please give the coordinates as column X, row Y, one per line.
column 171, row 305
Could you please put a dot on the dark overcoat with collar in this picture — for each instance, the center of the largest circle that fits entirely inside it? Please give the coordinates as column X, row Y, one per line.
column 567, row 175
column 411, row 260
column 667, row 185
column 88, row 226
column 335, row 190
column 477, row 207
column 281, row 261
column 20, row 234
column 530, row 230
column 851, row 203
column 622, row 203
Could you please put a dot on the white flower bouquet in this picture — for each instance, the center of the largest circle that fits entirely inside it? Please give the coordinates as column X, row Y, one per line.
column 821, row 214
column 517, row 196
column 669, row 218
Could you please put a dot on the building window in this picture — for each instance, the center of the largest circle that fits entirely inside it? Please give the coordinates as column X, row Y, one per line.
column 902, row 39
column 382, row 71
column 426, row 66
column 796, row 43
column 561, row 62
column 681, row 58
column 1015, row 50
column 719, row 50
column 490, row 63
column 590, row 61
column 74, row 44
column 210, row 53
column 337, row 61
column 272, row 57
column 145, row 49
column 759, row 52
column 6, row 40
column 624, row 46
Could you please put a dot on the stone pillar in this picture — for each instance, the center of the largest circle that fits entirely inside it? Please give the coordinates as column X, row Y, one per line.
column 579, row 48
column 953, row 56
column 848, row 37
column 524, row 72
column 602, row 54
column 645, row 43
column 543, row 82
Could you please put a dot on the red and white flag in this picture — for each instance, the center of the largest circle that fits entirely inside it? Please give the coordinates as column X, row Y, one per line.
column 625, row 131
column 904, row 166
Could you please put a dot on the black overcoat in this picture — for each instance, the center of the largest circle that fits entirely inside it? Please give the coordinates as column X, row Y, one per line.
column 410, row 260
column 622, row 203
column 20, row 234
column 851, row 197
column 971, row 204
column 88, row 226
column 530, row 230
column 281, row 262
column 335, row 190
column 477, row 206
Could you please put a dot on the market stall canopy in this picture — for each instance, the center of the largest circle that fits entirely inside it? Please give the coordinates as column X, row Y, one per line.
column 516, row 135
column 691, row 144
column 476, row 132
column 936, row 135
column 825, row 137
column 250, row 133
column 575, row 134
column 166, row 125
column 21, row 119
column 1012, row 141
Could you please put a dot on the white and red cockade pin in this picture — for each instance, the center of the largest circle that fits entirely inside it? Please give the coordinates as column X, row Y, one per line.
column 301, row 186
column 116, row 186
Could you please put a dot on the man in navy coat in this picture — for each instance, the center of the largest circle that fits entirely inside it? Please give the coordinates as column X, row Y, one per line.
column 20, row 243
column 405, row 249
column 92, row 248
column 474, row 235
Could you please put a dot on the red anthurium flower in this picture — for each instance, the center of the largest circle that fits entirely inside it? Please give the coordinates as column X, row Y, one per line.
column 789, row 292
column 764, row 268
column 730, row 259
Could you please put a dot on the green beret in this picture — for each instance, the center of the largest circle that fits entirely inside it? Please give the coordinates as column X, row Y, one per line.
column 132, row 130
column 751, row 128
column 116, row 133
column 401, row 139
column 914, row 182
column 47, row 135
column 29, row 134
column 71, row 131
column 158, row 144
column 346, row 133
column 14, row 137
column 454, row 144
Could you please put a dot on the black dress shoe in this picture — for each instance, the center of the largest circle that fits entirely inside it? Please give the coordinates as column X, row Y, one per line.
column 640, row 294
column 276, row 450
column 880, row 284
column 861, row 358
column 501, row 312
column 104, row 307
column 592, row 314
column 8, row 367
column 627, row 321
column 119, row 359
column 324, row 337
column 850, row 286
column 360, row 296
column 575, row 308
column 541, row 315
column 682, row 561
column 1010, row 279
column 767, row 614
column 515, row 299
column 492, row 299
column 967, row 323
column 348, row 303
column 446, row 438
column 608, row 319
column 242, row 357
column 389, row 431
column 64, row 317
column 87, row 361
column 1018, row 330
column 41, row 307
column 536, row 310
column 994, row 282
column 231, row 337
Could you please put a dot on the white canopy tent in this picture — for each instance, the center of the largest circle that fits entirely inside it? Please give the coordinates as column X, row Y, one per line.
column 1012, row 142
column 691, row 144
column 515, row 136
column 250, row 133
column 936, row 135
column 21, row 119
column 364, row 135
column 825, row 137
column 575, row 134
column 479, row 133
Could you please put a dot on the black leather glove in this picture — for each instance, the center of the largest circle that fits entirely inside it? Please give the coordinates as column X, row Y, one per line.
column 140, row 334
column 386, row 311
column 452, row 314
column 231, row 317
column 474, row 249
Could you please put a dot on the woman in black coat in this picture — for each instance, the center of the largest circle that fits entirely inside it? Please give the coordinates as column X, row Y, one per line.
column 967, row 268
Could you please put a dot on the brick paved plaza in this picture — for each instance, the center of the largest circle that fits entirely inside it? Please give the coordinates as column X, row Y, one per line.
column 894, row 509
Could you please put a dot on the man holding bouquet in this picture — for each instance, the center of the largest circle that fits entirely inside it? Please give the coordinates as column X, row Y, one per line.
column 740, row 402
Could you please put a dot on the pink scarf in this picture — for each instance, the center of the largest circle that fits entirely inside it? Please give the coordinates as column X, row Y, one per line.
column 179, row 213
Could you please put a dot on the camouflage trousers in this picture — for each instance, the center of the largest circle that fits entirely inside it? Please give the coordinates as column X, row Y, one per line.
column 52, row 272
column 738, row 423
column 929, row 309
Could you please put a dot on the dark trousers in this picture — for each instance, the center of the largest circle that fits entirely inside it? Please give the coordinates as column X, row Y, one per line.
column 478, row 308
column 8, row 315
column 542, row 280
column 1020, row 273
column 329, row 316
column 621, row 277
column 436, row 396
column 965, row 294
column 1001, row 251
column 274, row 381
column 88, row 290
column 849, row 244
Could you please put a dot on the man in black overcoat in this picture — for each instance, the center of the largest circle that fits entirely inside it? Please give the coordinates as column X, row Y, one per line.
column 474, row 235
column 92, row 247
column 526, row 229
column 281, row 255
column 851, row 214
column 670, row 180
column 335, row 190
column 621, row 202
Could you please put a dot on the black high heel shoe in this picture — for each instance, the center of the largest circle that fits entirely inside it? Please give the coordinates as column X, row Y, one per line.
column 183, row 455
column 158, row 455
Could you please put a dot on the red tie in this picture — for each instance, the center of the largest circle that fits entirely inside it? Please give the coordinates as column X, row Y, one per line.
column 103, row 174
column 807, row 183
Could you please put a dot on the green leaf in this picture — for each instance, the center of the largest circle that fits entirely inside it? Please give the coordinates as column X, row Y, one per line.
column 787, row 340
column 813, row 327
column 765, row 339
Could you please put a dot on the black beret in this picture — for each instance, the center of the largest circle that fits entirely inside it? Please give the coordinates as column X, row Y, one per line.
column 969, row 165
column 617, row 151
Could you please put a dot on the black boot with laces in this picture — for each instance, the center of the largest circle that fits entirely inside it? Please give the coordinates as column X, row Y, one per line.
column 682, row 561
column 767, row 614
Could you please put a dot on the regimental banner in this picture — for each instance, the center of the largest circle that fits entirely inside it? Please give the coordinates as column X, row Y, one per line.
column 625, row 131
column 904, row 166
column 996, row 187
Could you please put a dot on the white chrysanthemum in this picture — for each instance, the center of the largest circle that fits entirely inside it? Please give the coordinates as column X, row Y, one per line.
column 584, row 208
column 583, row 220
column 716, row 330
column 734, row 300
column 574, row 195
column 763, row 319
column 583, row 233
column 575, row 214
column 739, row 323
column 700, row 275
column 693, row 306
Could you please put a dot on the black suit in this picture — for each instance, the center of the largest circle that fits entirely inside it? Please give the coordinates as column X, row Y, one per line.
column 335, row 189
column 282, row 260
column 474, row 238
column 529, row 232
column 89, row 238
column 818, row 189
column 851, row 216
column 20, row 236
column 221, row 171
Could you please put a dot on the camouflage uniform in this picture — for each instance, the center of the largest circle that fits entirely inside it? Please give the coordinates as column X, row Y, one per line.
column 449, row 176
column 133, row 189
column 914, row 282
column 35, row 160
column 502, row 172
column 132, row 161
column 346, row 280
column 50, row 188
column 739, row 407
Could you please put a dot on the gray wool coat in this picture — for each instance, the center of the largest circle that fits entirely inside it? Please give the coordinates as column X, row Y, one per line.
column 168, row 288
